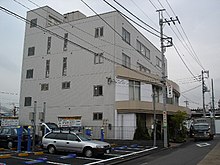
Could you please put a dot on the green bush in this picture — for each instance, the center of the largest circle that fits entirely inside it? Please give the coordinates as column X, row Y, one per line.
column 141, row 134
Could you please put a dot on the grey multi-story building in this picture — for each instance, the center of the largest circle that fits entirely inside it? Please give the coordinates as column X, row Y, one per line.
column 98, row 69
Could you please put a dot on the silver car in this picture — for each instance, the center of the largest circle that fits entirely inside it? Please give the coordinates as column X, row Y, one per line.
column 74, row 142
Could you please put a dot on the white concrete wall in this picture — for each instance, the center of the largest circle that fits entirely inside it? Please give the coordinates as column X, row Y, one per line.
column 81, row 70
column 126, row 126
column 146, row 92
column 121, row 90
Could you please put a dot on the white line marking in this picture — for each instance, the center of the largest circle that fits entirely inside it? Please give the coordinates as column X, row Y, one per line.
column 26, row 159
column 56, row 163
column 203, row 144
column 122, row 156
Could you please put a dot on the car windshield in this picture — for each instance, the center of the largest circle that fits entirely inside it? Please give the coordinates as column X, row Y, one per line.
column 52, row 126
column 83, row 137
column 202, row 126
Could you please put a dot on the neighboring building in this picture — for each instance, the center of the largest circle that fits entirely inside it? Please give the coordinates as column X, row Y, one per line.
column 108, row 85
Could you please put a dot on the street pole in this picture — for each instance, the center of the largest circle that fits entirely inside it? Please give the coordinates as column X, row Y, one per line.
column 154, row 109
column 213, row 99
column 44, row 112
column 164, row 76
column 163, row 81
column 203, row 94
column 34, row 125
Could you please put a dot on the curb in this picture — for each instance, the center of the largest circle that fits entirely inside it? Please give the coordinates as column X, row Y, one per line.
column 5, row 156
column 21, row 154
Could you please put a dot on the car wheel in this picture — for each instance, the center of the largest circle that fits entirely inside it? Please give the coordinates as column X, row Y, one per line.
column 10, row 145
column 88, row 152
column 51, row 149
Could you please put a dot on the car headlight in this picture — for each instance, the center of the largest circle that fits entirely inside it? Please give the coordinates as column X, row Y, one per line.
column 98, row 146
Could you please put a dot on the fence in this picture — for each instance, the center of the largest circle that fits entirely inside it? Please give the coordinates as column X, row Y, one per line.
column 115, row 132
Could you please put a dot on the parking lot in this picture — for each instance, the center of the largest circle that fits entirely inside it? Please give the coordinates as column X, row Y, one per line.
column 62, row 158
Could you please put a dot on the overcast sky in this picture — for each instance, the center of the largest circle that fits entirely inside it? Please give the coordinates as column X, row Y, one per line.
column 199, row 20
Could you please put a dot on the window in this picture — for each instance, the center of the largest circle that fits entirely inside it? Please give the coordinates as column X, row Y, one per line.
column 29, row 73
column 158, row 62
column 64, row 72
column 99, row 32
column 27, row 101
column 48, row 45
column 72, row 137
column 98, row 91
column 157, row 94
column 47, row 69
column 125, row 35
column 97, row 116
column 143, row 50
column 33, row 23
column 134, row 90
column 126, row 61
column 66, row 85
column 65, row 41
column 53, row 21
column 51, row 135
column 98, row 58
column 143, row 68
column 31, row 51
column 44, row 87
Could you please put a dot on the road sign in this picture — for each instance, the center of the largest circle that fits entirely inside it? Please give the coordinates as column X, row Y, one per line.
column 164, row 118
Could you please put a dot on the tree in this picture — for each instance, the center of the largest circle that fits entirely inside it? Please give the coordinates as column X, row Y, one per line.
column 178, row 131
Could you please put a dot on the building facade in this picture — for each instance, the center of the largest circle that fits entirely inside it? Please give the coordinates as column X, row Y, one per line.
column 100, row 69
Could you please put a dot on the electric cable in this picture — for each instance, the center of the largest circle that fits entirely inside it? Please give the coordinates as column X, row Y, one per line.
column 186, row 37
column 71, row 42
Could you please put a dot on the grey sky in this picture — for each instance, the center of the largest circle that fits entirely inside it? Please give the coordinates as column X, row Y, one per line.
column 199, row 18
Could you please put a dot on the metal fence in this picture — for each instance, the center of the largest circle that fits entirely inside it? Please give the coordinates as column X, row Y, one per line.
column 116, row 132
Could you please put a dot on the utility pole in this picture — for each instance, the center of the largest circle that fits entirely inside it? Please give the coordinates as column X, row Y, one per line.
column 187, row 103
column 163, row 21
column 213, row 99
column 204, row 89
column 34, row 125
column 154, row 109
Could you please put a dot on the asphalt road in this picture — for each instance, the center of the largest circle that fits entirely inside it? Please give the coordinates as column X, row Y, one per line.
column 189, row 154
column 62, row 158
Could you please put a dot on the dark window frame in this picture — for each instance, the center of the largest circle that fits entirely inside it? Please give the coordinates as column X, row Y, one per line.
column 126, row 61
column 47, row 70
column 31, row 51
column 97, row 90
column 49, row 39
column 66, row 85
column 27, row 101
column 45, row 87
column 64, row 70
column 99, row 32
column 126, row 36
column 33, row 23
column 97, row 115
column 29, row 73
column 65, row 42
column 98, row 58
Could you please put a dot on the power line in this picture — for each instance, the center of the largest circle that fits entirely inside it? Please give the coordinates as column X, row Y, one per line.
column 144, row 13
column 196, row 56
column 136, row 17
column 183, row 42
column 191, row 89
column 8, row 93
column 191, row 100
column 179, row 53
column 153, row 4
column 133, row 20
column 185, row 63
column 71, row 42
